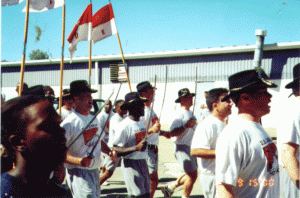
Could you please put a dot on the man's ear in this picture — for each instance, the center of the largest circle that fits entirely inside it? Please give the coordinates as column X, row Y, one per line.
column 17, row 143
column 245, row 96
column 214, row 105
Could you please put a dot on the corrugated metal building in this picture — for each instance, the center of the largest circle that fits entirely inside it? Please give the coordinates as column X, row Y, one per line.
column 214, row 66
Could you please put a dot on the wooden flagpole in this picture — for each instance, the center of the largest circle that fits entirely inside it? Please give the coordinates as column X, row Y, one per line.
column 126, row 68
column 62, row 56
column 90, row 50
column 24, row 49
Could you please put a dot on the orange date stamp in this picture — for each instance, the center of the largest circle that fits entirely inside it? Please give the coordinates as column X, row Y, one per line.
column 255, row 182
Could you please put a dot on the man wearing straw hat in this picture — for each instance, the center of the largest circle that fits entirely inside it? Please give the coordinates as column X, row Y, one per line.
column 182, row 130
column 288, row 138
column 82, row 170
column 131, row 135
column 246, row 156
column 146, row 90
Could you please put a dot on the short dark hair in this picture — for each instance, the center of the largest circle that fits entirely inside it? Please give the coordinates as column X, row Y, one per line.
column 13, row 119
column 118, row 103
column 213, row 96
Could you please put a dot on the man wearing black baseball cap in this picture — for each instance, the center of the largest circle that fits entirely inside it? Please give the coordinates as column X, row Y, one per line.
column 146, row 90
column 131, row 135
column 82, row 171
column 182, row 129
column 288, row 140
column 246, row 156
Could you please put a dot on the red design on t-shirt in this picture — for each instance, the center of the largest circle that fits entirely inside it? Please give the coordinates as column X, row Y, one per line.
column 270, row 152
column 139, row 137
column 154, row 120
column 107, row 125
column 89, row 134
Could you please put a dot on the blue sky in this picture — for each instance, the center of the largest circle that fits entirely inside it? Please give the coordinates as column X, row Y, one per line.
column 155, row 25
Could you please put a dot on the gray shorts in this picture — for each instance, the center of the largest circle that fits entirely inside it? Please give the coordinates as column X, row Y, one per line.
column 152, row 160
column 136, row 177
column 186, row 161
column 208, row 185
column 287, row 187
column 108, row 164
column 83, row 183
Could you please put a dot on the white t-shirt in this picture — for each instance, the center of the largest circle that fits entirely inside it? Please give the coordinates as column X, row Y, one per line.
column 64, row 113
column 289, row 125
column 181, row 117
column 154, row 137
column 129, row 133
column 102, row 117
column 246, row 157
column 114, row 123
column 74, row 124
column 206, row 135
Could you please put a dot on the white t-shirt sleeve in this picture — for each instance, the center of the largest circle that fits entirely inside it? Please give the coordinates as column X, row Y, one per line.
column 176, row 123
column 203, row 136
column 291, row 130
column 68, row 128
column 229, row 159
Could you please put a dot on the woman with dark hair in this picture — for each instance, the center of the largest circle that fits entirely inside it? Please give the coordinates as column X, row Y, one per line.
column 31, row 134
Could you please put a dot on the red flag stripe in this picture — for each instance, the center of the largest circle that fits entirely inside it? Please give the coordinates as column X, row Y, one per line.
column 104, row 15
column 86, row 17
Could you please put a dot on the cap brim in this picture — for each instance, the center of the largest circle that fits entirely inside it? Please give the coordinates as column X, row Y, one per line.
column 293, row 84
column 128, row 104
column 178, row 99
column 50, row 97
column 93, row 90
column 66, row 96
column 257, row 85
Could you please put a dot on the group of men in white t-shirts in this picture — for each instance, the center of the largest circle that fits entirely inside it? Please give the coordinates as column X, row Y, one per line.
column 238, row 159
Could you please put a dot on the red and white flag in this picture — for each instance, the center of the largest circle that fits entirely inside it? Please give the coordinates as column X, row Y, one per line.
column 104, row 24
column 43, row 5
column 10, row 2
column 82, row 30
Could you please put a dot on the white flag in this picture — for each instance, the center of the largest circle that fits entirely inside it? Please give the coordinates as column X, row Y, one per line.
column 82, row 30
column 10, row 2
column 44, row 5
column 103, row 23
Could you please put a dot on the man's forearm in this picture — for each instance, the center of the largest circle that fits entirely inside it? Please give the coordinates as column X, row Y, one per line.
column 290, row 162
column 104, row 148
column 124, row 151
column 73, row 160
column 203, row 153
column 177, row 131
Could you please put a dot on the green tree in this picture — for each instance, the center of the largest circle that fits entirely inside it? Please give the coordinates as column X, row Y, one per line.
column 38, row 54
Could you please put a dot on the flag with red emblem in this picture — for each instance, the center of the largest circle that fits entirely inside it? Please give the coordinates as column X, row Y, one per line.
column 82, row 30
column 103, row 23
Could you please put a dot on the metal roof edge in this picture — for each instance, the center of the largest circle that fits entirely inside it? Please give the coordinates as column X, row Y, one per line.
column 165, row 54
